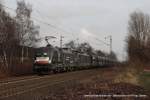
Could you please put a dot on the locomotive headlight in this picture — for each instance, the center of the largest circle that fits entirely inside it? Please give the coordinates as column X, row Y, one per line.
column 49, row 61
column 37, row 60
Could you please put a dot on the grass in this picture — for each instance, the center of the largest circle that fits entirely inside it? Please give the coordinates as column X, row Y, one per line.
column 127, row 75
column 105, row 83
column 144, row 79
column 96, row 86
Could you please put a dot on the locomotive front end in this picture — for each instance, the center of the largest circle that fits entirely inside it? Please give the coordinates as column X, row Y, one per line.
column 42, row 60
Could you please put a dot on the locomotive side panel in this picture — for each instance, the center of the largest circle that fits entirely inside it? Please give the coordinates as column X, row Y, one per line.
column 60, row 60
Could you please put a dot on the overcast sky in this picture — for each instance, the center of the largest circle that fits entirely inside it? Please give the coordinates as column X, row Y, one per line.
column 86, row 20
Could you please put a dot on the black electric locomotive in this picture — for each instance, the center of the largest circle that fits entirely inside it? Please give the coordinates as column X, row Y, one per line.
column 59, row 60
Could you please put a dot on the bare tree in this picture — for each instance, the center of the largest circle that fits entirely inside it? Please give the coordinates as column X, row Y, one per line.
column 7, row 39
column 113, row 56
column 27, row 31
column 85, row 47
column 139, row 35
column 15, row 34
column 100, row 53
column 71, row 45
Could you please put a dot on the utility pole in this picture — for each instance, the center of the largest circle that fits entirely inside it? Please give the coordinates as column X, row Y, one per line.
column 60, row 56
column 110, row 44
column 61, row 39
column 77, row 42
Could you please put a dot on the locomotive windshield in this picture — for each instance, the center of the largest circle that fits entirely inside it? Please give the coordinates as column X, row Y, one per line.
column 41, row 54
column 44, row 52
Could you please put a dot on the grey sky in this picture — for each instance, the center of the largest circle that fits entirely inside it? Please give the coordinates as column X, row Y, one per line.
column 86, row 19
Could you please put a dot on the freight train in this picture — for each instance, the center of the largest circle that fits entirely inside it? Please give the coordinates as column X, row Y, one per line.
column 60, row 60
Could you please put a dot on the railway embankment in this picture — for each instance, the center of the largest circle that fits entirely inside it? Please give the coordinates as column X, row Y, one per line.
column 111, row 85
column 85, row 84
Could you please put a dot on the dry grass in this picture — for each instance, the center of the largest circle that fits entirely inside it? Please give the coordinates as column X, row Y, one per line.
column 103, row 84
column 130, row 73
column 77, row 90
column 94, row 82
column 127, row 76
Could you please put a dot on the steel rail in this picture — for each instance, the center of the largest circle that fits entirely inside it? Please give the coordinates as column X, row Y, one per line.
column 34, row 87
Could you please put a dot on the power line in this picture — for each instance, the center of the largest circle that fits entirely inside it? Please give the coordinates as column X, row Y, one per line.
column 7, row 7
column 101, row 41
column 50, row 19
column 55, row 25
column 51, row 25
column 38, row 2
column 48, row 24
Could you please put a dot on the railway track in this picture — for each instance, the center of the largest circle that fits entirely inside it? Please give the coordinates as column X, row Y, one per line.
column 13, row 79
column 28, row 88
column 12, row 88
column 20, row 88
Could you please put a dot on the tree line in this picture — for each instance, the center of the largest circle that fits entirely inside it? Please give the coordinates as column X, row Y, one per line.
column 17, row 34
column 138, row 39
column 87, row 48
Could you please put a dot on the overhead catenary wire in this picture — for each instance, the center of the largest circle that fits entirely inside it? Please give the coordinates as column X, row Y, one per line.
column 48, row 17
column 52, row 26
column 43, row 22
column 38, row 20
column 72, row 32
column 39, row 13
